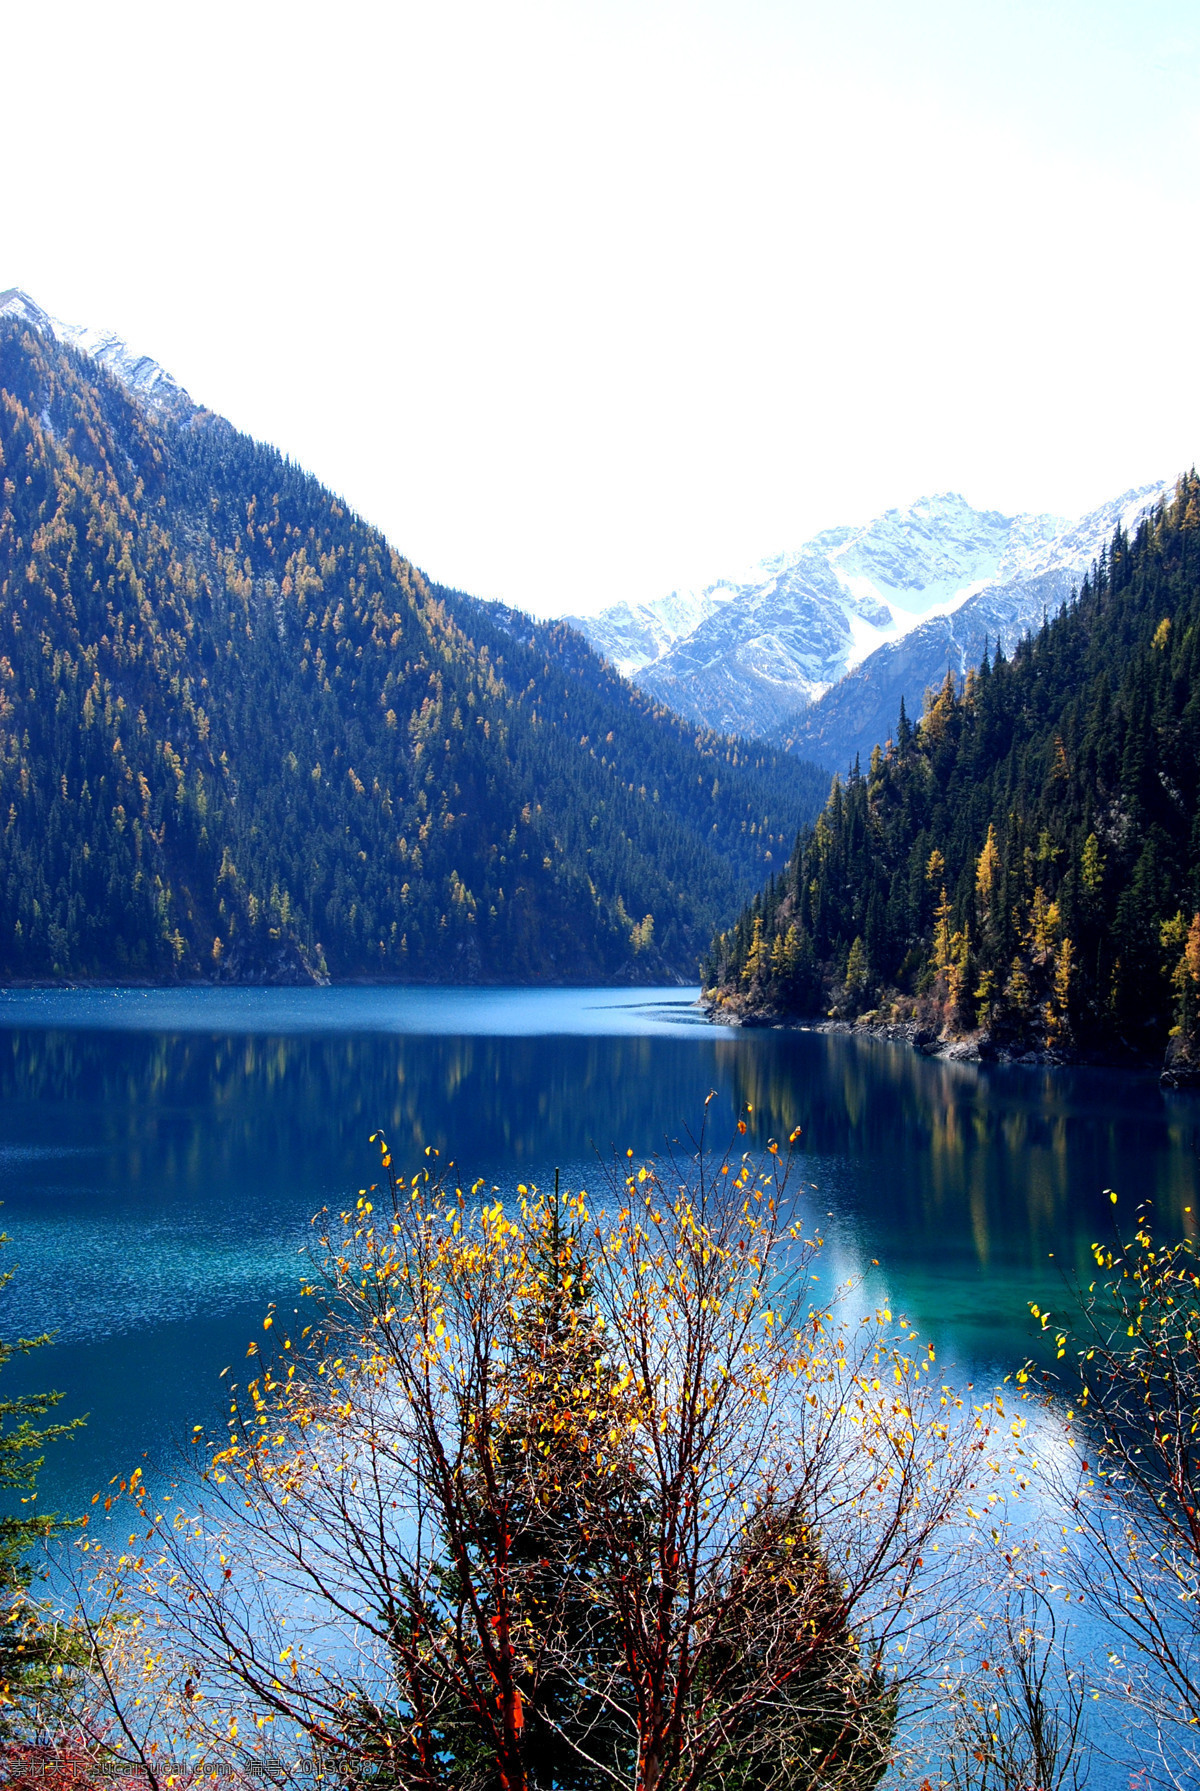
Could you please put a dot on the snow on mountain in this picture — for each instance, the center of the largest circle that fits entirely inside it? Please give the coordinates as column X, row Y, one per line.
column 761, row 648
column 862, row 708
column 632, row 635
column 145, row 378
column 816, row 646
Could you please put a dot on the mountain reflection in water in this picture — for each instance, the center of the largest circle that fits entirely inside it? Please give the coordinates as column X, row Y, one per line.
column 161, row 1160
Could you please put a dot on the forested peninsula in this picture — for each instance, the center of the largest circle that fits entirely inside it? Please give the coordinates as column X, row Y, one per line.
column 1020, row 871
column 243, row 739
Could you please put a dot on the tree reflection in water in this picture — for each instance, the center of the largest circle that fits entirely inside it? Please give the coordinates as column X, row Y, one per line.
column 158, row 1185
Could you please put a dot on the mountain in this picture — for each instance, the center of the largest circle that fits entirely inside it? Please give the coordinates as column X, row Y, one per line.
column 1025, row 862
column 747, row 653
column 860, row 710
column 631, row 635
column 241, row 738
column 816, row 647
column 141, row 377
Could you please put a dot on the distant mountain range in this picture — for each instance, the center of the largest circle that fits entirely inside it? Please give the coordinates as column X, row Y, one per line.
column 817, row 647
column 812, row 649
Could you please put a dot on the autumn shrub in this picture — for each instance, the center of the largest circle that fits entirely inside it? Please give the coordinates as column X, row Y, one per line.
column 567, row 1490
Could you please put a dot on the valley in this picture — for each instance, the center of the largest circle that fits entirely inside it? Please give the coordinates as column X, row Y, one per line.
column 241, row 738
column 245, row 742
column 599, row 898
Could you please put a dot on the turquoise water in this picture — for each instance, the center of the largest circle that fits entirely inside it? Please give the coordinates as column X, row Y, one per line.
column 162, row 1154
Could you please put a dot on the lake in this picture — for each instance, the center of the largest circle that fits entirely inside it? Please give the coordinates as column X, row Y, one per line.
column 162, row 1154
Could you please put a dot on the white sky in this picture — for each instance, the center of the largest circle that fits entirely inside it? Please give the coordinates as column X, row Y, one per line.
column 582, row 301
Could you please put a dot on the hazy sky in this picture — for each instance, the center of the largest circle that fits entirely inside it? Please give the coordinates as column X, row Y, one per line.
column 581, row 301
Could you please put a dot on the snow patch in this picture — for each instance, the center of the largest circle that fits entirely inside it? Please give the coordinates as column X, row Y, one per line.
column 144, row 377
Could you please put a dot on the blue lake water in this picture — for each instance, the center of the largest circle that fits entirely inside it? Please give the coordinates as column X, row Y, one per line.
column 163, row 1153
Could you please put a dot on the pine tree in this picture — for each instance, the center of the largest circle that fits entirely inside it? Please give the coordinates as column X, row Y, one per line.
column 243, row 739
column 1054, row 799
column 829, row 1726
column 858, row 972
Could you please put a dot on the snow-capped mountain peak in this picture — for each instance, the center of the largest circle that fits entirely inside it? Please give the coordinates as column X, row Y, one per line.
column 144, row 377
column 634, row 635
column 1035, row 577
column 765, row 646
column 741, row 654
column 931, row 552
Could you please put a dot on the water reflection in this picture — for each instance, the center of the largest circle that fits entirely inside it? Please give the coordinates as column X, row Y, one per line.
column 159, row 1184
column 978, row 1187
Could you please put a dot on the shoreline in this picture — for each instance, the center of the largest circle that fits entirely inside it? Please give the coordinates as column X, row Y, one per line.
column 974, row 1047
column 665, row 980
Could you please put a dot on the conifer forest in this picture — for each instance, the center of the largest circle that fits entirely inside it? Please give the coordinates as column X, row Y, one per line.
column 1025, row 859
column 599, row 898
column 242, row 739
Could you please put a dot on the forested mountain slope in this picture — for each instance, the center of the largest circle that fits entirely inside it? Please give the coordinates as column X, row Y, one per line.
column 241, row 737
column 1027, row 860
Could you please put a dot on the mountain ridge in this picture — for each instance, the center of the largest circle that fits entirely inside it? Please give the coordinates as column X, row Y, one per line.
column 860, row 710
column 870, row 603
column 140, row 375
column 242, row 738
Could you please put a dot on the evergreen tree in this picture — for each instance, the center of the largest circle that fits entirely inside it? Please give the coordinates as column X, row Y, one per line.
column 242, row 739
column 830, row 1724
column 1029, row 857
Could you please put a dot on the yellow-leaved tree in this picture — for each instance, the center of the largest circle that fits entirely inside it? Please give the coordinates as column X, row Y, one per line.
column 566, row 1491
column 1132, row 1487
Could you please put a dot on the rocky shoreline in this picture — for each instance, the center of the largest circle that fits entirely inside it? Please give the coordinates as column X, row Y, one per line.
column 1179, row 1069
